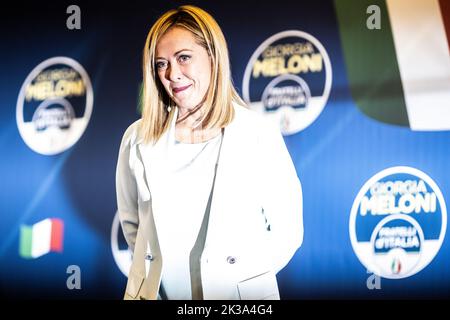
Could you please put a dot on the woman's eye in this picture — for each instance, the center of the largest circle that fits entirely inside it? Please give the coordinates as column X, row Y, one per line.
column 184, row 58
column 160, row 65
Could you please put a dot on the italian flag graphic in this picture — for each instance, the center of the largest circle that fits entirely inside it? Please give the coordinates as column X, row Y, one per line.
column 41, row 238
column 396, row 266
column 399, row 74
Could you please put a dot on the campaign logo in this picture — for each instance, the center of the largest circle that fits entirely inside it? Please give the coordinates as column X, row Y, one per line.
column 54, row 105
column 288, row 79
column 121, row 253
column 41, row 238
column 398, row 222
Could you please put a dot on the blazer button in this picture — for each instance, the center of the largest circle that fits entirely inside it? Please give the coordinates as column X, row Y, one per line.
column 231, row 260
column 148, row 257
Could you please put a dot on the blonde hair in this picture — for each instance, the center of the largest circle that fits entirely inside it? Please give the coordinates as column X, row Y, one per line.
column 219, row 111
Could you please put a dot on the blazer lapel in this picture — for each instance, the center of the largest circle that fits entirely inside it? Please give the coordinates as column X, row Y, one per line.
column 225, row 180
column 155, row 158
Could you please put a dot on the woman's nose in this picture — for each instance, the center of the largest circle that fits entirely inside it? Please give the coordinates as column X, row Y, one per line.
column 173, row 72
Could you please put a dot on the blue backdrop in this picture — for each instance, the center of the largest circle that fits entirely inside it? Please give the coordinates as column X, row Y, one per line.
column 335, row 155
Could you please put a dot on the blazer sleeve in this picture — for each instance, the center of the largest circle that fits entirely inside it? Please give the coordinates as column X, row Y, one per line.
column 282, row 200
column 126, row 190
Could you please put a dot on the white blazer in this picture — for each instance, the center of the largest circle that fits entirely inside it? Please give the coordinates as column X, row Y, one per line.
column 255, row 224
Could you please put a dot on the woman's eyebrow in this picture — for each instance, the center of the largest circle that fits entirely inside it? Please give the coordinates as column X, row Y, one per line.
column 176, row 53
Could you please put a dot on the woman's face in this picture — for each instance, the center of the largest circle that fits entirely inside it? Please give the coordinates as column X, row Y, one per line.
column 183, row 66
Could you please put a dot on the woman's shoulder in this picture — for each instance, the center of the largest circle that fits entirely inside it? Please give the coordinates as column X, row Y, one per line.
column 251, row 119
column 244, row 113
column 130, row 135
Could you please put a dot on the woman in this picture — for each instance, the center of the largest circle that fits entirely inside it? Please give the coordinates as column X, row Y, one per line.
column 208, row 197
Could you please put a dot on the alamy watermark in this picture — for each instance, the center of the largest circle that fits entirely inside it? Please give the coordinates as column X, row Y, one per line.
column 74, row 279
column 374, row 20
column 373, row 281
column 74, row 20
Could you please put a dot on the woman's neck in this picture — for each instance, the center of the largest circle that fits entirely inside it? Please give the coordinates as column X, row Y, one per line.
column 190, row 118
column 188, row 128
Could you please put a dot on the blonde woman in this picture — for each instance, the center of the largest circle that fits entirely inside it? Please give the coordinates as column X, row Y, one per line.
column 208, row 197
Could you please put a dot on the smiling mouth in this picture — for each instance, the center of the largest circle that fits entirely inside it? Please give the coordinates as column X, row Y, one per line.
column 179, row 89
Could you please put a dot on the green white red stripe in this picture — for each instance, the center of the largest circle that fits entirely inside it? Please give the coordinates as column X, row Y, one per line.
column 41, row 238
column 399, row 74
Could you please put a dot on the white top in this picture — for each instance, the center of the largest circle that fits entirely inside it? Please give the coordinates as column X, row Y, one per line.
column 190, row 177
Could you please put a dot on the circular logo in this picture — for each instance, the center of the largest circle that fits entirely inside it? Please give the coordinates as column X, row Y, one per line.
column 288, row 79
column 398, row 222
column 122, row 257
column 54, row 105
